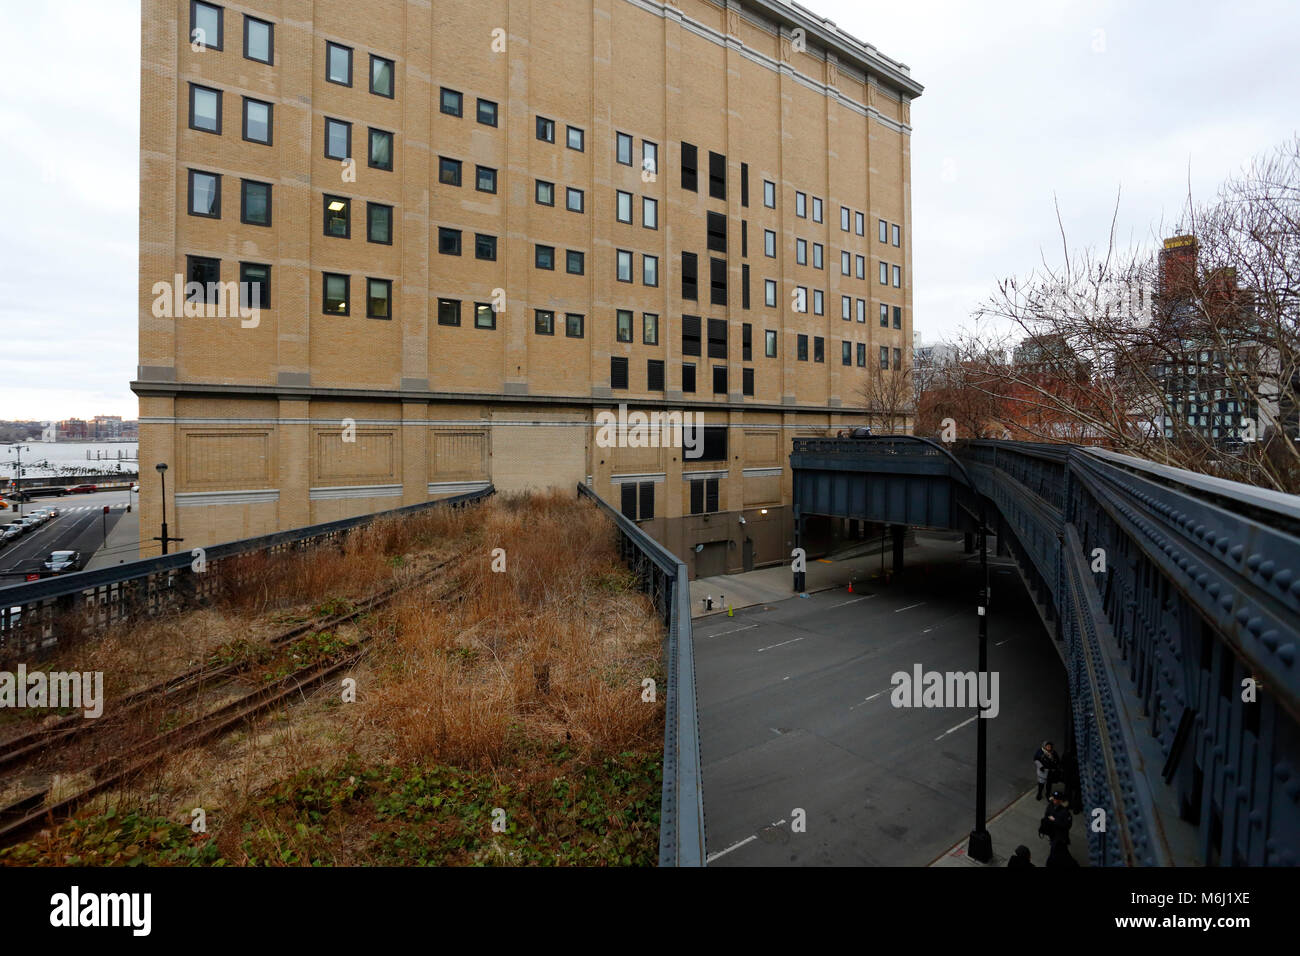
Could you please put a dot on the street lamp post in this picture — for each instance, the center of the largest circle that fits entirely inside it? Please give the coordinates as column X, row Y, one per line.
column 164, row 537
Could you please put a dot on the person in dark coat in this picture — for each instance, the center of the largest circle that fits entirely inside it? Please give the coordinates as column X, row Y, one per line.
column 1056, row 822
column 1020, row 860
column 1060, row 856
column 1047, row 767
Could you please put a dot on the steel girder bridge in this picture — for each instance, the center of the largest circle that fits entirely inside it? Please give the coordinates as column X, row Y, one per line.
column 1173, row 599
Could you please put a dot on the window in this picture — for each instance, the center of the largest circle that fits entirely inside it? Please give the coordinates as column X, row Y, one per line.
column 575, row 263
column 744, row 286
column 338, row 63
column 819, row 349
column 717, row 175
column 716, row 231
column 884, row 357
column 379, row 298
column 898, row 364
column 448, row 171
column 485, row 247
column 206, row 273
column 623, row 325
column 255, row 203
column 544, row 257
column 846, row 263
column 744, row 238
column 718, row 281
column 690, row 173
column 819, row 302
column 544, row 193
column 801, row 251
column 896, row 235
column 718, row 338
column 769, row 243
column 205, row 194
column 338, row 139
column 898, row 277
column 381, row 149
column 769, row 194
column 654, row 375
column 448, row 241
column 884, row 274
column 544, row 322
column 650, row 330
column 846, row 308
column 452, row 103
column 719, row 380
column 573, row 323
column 206, row 22
column 205, row 109
column 688, row 377
column 545, row 129
column 487, row 112
column 817, row 209
column 575, row 138
column 744, row 184
column 846, row 353
column 746, row 342
column 818, row 251
column 800, row 299
column 704, row 496
column 747, row 381
column 769, row 343
column 623, row 149
column 859, row 223
column 862, row 355
column 338, row 216
column 884, row 226
column 485, row 316
column 485, row 179
column 618, row 372
column 898, row 317
column 862, row 310
column 257, row 121
column 844, row 218
column 802, row 352
column 573, row 199
column 259, row 40
column 690, row 278
column 690, row 335
column 381, row 76
column 634, row 493
column 379, row 223
column 624, row 265
column 649, row 158
column 335, row 299
column 801, row 205
column 254, row 285
column 861, row 264
column 449, row 312
column 650, row 270
column 769, row 292
column 624, row 209
column 649, row 212
column 884, row 316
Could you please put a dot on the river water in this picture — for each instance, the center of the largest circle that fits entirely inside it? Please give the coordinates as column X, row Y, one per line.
column 71, row 458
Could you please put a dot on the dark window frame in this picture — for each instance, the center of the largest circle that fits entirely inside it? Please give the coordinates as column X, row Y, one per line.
column 459, row 109
column 448, row 302
column 347, row 216
column 545, row 129
column 478, row 111
column 194, row 89
column 479, row 237
column 330, row 46
column 190, row 263
column 270, row 39
column 264, row 290
column 619, row 316
column 392, row 76
column 479, row 170
column 370, row 148
column 389, row 284
column 449, row 164
column 619, row 139
column 582, row 138
column 221, row 25
column 270, row 121
column 537, row 253
column 568, row 262
column 448, row 232
column 347, row 293
column 478, row 311
column 189, row 198
column 568, row 325
column 330, row 121
column 540, row 328
column 243, row 202
column 370, row 206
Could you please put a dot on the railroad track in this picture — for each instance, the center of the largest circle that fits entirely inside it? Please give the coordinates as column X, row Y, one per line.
column 27, row 814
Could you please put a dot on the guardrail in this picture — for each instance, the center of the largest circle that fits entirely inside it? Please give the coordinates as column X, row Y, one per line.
column 664, row 578
column 33, row 615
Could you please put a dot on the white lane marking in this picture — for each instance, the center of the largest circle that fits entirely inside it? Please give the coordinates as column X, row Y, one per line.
column 847, row 603
column 927, row 630
column 735, row 846
column 908, row 608
column 1000, row 643
column 734, row 630
column 868, row 699
column 874, row 696
column 782, row 644
column 958, row 727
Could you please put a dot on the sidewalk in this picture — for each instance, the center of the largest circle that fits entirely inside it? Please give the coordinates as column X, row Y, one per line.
column 123, row 543
column 858, row 563
column 1015, row 825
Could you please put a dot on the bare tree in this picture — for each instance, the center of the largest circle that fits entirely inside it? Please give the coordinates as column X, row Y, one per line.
column 889, row 400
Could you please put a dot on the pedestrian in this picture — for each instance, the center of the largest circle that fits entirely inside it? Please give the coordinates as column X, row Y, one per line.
column 1057, row 820
column 1047, row 766
column 1020, row 860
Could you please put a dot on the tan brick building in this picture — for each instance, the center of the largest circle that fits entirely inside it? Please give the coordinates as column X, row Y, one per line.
column 473, row 225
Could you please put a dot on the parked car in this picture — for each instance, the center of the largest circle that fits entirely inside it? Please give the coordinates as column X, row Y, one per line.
column 29, row 523
column 10, row 532
column 43, row 514
column 82, row 489
column 63, row 562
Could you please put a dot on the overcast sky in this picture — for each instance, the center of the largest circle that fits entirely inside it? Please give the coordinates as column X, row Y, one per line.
column 1026, row 100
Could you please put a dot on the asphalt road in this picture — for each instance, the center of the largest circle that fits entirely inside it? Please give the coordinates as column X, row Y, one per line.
column 79, row 527
column 796, row 714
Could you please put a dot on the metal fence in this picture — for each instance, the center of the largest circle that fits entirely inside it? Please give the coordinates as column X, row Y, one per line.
column 663, row 577
column 36, row 616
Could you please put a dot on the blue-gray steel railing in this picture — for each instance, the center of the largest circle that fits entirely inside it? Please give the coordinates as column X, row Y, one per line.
column 665, row 579
column 31, row 613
